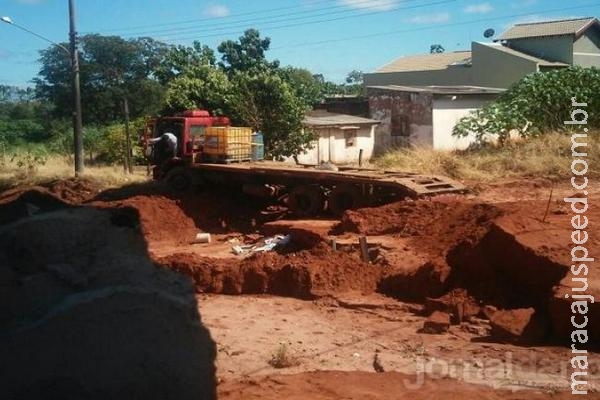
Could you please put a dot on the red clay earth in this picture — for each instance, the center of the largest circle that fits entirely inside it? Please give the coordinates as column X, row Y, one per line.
column 333, row 385
column 452, row 254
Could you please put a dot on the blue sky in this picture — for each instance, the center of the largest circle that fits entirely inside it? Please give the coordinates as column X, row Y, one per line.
column 331, row 37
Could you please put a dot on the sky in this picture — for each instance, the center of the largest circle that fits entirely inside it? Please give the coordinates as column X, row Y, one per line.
column 330, row 37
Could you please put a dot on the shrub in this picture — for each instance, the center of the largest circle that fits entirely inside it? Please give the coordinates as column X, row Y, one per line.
column 538, row 103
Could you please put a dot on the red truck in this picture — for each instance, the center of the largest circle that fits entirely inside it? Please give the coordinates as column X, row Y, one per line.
column 211, row 152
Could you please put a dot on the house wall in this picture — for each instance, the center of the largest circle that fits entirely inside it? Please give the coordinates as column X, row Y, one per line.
column 554, row 48
column 452, row 76
column 586, row 49
column 393, row 109
column 496, row 68
column 331, row 146
column 447, row 112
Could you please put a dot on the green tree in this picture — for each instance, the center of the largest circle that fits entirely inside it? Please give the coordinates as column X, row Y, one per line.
column 245, row 54
column 200, row 86
column 179, row 59
column 111, row 68
column 355, row 77
column 436, row 49
column 538, row 103
column 267, row 103
column 304, row 83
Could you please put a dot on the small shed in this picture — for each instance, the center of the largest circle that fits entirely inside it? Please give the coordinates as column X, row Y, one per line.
column 424, row 115
column 340, row 138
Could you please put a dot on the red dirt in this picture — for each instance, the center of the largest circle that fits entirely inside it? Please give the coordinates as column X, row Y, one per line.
column 333, row 385
column 304, row 274
column 499, row 253
column 451, row 254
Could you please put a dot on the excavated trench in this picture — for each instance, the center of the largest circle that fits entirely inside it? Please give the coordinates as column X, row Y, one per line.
column 432, row 249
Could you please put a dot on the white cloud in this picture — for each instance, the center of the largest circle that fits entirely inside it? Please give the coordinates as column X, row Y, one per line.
column 524, row 4
column 430, row 18
column 217, row 11
column 482, row 8
column 379, row 5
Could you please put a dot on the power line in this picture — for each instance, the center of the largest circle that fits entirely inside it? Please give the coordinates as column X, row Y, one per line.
column 305, row 44
column 262, row 20
column 171, row 39
column 223, row 20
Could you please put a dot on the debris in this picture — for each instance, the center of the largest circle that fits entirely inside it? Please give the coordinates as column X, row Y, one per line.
column 264, row 245
column 364, row 248
column 377, row 364
column 202, row 238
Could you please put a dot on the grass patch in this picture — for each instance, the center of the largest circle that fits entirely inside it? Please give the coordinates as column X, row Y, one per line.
column 548, row 156
column 28, row 168
column 282, row 358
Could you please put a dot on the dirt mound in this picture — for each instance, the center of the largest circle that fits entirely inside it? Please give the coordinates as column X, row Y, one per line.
column 85, row 314
column 330, row 385
column 23, row 202
column 73, row 190
column 162, row 219
column 433, row 226
column 305, row 274
column 502, row 255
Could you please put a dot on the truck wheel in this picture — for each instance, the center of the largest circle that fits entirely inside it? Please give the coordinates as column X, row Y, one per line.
column 307, row 201
column 344, row 197
column 178, row 179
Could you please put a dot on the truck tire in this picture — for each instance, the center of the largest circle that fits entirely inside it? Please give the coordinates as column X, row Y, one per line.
column 307, row 201
column 344, row 197
column 178, row 179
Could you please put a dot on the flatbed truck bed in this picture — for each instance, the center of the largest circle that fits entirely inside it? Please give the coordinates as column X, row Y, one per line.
column 310, row 190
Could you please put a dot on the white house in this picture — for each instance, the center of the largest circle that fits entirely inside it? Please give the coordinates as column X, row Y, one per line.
column 341, row 138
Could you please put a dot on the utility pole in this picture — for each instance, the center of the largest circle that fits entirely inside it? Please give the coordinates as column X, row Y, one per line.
column 77, row 120
column 72, row 53
column 128, row 163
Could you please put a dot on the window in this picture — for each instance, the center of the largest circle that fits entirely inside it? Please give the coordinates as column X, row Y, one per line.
column 400, row 125
column 350, row 136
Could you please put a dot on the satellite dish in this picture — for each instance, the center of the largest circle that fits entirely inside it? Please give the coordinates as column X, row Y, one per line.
column 489, row 33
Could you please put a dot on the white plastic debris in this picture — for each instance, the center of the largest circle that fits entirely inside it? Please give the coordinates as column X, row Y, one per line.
column 265, row 245
column 202, row 238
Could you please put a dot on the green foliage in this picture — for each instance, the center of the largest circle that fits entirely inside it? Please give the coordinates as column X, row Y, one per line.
column 111, row 68
column 355, row 77
column 538, row 103
column 267, row 103
column 305, row 85
column 29, row 161
column 199, row 86
column 247, row 53
column 180, row 59
column 436, row 49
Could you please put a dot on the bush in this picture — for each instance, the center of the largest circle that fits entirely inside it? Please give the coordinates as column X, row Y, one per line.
column 538, row 103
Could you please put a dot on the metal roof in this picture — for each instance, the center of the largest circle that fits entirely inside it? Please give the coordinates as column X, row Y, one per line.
column 549, row 28
column 427, row 62
column 441, row 89
column 324, row 118
column 541, row 62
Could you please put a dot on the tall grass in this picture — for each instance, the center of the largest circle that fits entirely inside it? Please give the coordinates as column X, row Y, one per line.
column 547, row 156
column 20, row 167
